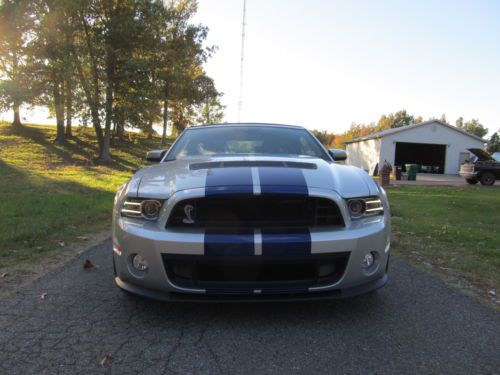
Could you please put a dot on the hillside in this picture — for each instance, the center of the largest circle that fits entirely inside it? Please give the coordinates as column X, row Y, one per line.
column 53, row 195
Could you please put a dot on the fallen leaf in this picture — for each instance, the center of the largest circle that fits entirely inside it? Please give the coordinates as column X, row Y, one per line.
column 82, row 238
column 105, row 360
column 62, row 244
column 88, row 265
column 4, row 274
column 43, row 296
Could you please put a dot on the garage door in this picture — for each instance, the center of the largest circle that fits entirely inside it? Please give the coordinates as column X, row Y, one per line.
column 430, row 157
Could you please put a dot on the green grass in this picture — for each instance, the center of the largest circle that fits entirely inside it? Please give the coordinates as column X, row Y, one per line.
column 54, row 193
column 451, row 231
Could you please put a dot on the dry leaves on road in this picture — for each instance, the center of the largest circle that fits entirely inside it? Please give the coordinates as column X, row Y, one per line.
column 105, row 360
column 88, row 265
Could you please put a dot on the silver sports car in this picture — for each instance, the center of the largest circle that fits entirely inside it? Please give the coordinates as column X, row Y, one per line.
column 247, row 212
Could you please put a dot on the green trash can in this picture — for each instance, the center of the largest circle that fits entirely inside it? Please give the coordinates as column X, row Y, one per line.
column 411, row 170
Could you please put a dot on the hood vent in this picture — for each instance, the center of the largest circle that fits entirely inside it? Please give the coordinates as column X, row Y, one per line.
column 252, row 163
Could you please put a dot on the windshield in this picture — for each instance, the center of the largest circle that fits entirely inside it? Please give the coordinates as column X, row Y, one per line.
column 246, row 140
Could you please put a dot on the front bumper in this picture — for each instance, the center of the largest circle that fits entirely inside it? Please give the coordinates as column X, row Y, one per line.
column 154, row 242
column 468, row 175
column 277, row 297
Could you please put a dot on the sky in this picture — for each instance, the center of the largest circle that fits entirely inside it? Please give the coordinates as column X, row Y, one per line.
column 325, row 64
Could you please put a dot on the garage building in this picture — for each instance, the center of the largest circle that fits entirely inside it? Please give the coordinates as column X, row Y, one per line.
column 434, row 145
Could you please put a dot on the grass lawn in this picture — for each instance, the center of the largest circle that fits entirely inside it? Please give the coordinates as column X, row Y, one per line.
column 53, row 194
column 453, row 232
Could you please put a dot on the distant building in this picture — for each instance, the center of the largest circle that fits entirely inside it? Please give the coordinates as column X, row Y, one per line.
column 434, row 145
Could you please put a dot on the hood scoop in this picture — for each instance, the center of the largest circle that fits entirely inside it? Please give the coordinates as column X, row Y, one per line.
column 252, row 163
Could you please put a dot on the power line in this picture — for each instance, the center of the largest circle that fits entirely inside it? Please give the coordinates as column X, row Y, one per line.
column 240, row 100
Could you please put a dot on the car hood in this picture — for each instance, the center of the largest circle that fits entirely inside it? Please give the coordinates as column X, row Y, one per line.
column 481, row 154
column 248, row 174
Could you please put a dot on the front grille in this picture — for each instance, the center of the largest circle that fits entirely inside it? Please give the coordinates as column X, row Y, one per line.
column 244, row 274
column 259, row 211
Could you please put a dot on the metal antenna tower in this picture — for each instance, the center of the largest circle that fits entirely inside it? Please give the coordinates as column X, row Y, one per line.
column 240, row 100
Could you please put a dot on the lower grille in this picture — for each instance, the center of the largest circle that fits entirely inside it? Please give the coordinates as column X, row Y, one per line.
column 260, row 211
column 244, row 274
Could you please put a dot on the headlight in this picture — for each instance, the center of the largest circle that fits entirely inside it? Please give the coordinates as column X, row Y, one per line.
column 367, row 206
column 148, row 209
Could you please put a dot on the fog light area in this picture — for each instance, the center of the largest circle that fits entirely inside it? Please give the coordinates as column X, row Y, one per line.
column 368, row 260
column 139, row 263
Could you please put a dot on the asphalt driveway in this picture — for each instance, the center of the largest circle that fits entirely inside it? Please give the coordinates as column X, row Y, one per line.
column 85, row 325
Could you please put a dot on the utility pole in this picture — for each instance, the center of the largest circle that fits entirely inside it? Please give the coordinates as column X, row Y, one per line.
column 240, row 100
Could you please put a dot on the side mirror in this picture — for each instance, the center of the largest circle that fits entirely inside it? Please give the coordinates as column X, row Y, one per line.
column 155, row 156
column 337, row 154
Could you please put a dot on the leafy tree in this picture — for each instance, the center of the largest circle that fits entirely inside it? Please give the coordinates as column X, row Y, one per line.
column 473, row 127
column 327, row 139
column 493, row 143
column 14, row 83
column 210, row 109
column 394, row 120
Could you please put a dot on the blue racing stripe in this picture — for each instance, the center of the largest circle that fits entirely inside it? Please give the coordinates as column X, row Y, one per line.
column 282, row 181
column 229, row 181
column 289, row 242
column 240, row 243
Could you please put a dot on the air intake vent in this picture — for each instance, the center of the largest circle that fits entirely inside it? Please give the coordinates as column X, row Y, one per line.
column 252, row 163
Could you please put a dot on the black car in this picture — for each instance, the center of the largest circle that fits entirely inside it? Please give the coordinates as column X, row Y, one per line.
column 484, row 168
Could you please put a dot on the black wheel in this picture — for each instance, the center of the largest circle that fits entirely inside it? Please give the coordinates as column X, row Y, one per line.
column 487, row 178
column 471, row 181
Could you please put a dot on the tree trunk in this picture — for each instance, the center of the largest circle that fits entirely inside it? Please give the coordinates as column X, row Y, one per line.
column 104, row 152
column 105, row 155
column 59, row 108
column 17, row 117
column 165, row 117
column 69, row 108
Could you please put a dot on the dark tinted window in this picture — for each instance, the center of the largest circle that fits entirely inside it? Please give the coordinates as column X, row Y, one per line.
column 246, row 140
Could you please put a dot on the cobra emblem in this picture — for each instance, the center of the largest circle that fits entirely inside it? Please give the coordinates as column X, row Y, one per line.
column 188, row 209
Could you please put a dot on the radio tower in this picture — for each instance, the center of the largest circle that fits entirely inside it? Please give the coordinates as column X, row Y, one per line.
column 240, row 100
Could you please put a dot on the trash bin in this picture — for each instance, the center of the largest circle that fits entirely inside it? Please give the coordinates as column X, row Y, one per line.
column 397, row 170
column 411, row 170
column 385, row 174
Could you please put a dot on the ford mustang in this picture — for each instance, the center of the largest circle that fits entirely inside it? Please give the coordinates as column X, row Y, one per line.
column 250, row 212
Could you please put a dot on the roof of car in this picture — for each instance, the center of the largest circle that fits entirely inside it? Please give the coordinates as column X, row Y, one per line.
column 246, row 124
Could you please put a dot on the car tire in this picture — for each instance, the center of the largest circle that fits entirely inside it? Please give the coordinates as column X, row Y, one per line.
column 487, row 179
column 471, row 181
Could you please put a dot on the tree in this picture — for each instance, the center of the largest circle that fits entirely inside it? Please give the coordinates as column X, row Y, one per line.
column 472, row 127
column 493, row 143
column 210, row 110
column 14, row 27
column 327, row 139
column 394, row 120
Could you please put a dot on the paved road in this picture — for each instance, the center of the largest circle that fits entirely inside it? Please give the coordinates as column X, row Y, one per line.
column 413, row 325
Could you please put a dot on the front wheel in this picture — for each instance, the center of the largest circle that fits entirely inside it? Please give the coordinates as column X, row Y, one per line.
column 487, row 178
column 471, row 181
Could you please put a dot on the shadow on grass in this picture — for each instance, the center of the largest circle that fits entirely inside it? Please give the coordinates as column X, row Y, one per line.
column 85, row 150
column 35, row 208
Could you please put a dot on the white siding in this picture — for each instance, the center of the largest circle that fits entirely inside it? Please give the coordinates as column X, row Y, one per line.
column 367, row 153
column 363, row 154
column 433, row 133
